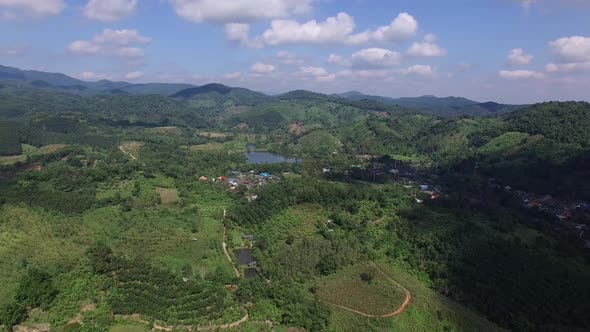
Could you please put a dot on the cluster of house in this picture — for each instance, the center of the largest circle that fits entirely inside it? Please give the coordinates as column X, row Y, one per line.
column 250, row 180
column 559, row 209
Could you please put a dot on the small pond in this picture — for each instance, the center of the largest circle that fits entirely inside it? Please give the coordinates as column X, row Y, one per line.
column 260, row 157
column 243, row 256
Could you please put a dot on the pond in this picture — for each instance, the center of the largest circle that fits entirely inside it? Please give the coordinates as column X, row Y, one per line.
column 259, row 157
column 243, row 256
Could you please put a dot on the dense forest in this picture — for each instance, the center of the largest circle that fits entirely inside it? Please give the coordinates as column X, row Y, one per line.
column 122, row 210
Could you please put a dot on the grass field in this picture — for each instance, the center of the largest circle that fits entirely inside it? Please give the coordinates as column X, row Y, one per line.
column 212, row 134
column 29, row 150
column 128, row 328
column 377, row 296
column 165, row 130
column 168, row 196
column 428, row 311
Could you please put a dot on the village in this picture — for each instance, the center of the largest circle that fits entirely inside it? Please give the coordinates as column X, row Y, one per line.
column 567, row 214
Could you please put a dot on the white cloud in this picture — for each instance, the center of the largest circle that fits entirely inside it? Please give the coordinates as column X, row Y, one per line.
column 334, row 30
column 520, row 74
column 121, row 37
column 262, row 68
column 119, row 43
column 134, row 75
column 404, row 26
column 338, row 29
column 571, row 49
column 12, row 9
column 14, row 50
column 92, row 76
column 375, row 58
column 568, row 67
column 517, row 57
column 426, row 49
column 338, row 60
column 238, row 11
column 232, row 76
column 315, row 71
column 319, row 73
column 237, row 33
column 420, row 70
column 572, row 54
column 109, row 10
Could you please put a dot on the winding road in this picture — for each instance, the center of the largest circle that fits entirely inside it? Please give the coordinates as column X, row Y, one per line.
column 391, row 314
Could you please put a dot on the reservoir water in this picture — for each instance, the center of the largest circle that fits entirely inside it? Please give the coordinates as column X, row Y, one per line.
column 257, row 157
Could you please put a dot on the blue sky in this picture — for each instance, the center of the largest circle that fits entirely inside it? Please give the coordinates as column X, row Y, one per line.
column 503, row 50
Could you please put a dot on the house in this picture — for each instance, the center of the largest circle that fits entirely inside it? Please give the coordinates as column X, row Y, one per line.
column 264, row 174
column 222, row 178
column 325, row 170
column 248, row 237
column 252, row 264
column 423, row 187
column 203, row 178
column 38, row 168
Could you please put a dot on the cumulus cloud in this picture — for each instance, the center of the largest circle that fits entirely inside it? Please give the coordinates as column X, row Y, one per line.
column 109, row 10
column 375, row 58
column 568, row 67
column 262, row 68
column 571, row 49
column 520, row 74
column 572, row 54
column 339, row 29
column 334, row 30
column 426, row 49
column 338, row 60
column 318, row 73
column 419, row 70
column 404, row 26
column 120, row 43
column 134, row 75
column 12, row 9
column 238, row 11
column 517, row 57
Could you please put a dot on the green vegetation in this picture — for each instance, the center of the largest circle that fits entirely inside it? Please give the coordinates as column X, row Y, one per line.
column 105, row 225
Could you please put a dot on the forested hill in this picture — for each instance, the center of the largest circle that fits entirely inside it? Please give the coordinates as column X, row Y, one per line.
column 447, row 106
column 218, row 94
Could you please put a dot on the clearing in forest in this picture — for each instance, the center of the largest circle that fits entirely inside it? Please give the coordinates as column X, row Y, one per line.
column 363, row 288
column 168, row 195
column 165, row 130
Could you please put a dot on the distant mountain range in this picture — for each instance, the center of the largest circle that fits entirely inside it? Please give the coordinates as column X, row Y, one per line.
column 219, row 94
column 64, row 83
column 436, row 105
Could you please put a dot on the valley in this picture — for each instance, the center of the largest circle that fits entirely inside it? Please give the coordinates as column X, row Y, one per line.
column 175, row 207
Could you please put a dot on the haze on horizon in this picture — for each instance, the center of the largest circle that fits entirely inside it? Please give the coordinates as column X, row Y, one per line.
column 507, row 51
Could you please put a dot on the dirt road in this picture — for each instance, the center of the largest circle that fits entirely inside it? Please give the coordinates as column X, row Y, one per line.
column 391, row 314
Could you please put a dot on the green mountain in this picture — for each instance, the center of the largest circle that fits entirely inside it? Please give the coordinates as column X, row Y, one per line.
column 63, row 83
column 447, row 106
